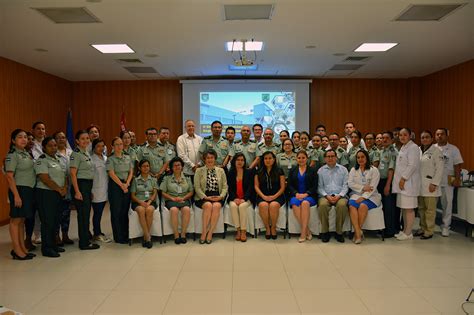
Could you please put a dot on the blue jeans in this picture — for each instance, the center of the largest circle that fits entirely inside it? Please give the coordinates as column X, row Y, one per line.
column 98, row 208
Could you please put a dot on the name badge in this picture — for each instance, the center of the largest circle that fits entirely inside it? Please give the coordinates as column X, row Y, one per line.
column 147, row 194
column 170, row 151
column 289, row 166
column 179, row 189
column 382, row 166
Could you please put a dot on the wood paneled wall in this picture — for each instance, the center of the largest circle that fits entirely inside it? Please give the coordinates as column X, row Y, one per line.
column 374, row 105
column 28, row 95
column 447, row 100
column 154, row 103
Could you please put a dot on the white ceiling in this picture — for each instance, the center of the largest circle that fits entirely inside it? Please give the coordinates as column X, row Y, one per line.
column 189, row 35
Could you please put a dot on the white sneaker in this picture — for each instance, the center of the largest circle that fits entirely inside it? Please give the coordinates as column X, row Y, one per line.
column 404, row 237
column 445, row 232
column 103, row 239
column 398, row 234
column 37, row 240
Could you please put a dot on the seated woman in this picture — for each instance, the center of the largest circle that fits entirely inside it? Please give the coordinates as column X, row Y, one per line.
column 177, row 190
column 363, row 181
column 143, row 192
column 210, row 185
column 303, row 189
column 239, row 180
column 270, row 187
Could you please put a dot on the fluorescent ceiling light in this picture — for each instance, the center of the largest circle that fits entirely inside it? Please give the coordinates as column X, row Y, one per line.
column 246, row 68
column 371, row 47
column 114, row 48
column 249, row 46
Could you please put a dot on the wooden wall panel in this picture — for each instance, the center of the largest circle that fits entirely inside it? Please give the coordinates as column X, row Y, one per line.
column 28, row 95
column 447, row 100
column 374, row 105
column 146, row 103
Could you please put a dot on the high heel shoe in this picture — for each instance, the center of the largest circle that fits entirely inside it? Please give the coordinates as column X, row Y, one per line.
column 16, row 257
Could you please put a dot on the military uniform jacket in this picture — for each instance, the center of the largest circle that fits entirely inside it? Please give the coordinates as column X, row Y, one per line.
column 21, row 164
column 222, row 148
column 53, row 167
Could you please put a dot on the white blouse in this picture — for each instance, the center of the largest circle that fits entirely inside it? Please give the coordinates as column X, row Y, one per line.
column 101, row 179
column 357, row 181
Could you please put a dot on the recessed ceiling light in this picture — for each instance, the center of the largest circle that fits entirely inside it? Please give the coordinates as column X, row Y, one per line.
column 371, row 47
column 113, row 48
column 41, row 50
column 339, row 54
column 151, row 55
column 249, row 46
column 310, row 47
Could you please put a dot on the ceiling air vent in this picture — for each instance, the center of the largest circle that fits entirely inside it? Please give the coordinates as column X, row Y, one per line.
column 236, row 12
column 68, row 15
column 129, row 61
column 140, row 69
column 427, row 12
column 357, row 58
column 346, row 67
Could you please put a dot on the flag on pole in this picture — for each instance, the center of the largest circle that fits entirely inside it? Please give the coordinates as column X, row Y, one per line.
column 69, row 130
column 123, row 121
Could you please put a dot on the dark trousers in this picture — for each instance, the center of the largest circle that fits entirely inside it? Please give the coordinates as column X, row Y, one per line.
column 49, row 207
column 64, row 217
column 119, row 206
column 30, row 218
column 391, row 218
column 83, row 208
column 98, row 208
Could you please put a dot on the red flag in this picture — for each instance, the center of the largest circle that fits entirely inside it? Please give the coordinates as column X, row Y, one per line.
column 123, row 122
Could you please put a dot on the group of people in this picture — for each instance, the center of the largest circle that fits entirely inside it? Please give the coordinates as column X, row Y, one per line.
column 352, row 174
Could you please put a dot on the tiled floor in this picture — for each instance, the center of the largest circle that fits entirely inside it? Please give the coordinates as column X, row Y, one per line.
column 257, row 277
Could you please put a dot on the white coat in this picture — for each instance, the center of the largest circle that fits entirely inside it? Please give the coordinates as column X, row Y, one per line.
column 431, row 168
column 357, row 181
column 408, row 167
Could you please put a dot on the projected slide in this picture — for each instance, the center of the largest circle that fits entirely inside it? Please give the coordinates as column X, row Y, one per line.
column 275, row 110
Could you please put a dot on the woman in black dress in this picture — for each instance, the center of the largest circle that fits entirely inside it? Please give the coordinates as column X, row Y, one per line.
column 270, row 188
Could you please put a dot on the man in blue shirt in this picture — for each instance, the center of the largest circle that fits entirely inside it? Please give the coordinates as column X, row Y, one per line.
column 332, row 190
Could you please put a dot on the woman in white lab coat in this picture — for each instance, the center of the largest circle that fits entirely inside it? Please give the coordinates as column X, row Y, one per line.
column 431, row 167
column 406, row 182
column 363, row 181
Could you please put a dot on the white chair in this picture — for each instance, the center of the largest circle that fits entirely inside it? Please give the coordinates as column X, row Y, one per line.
column 198, row 221
column 282, row 222
column 314, row 223
column 250, row 218
column 374, row 221
column 135, row 229
column 166, row 220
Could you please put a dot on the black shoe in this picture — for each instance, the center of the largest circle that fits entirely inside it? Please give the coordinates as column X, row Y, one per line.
column 183, row 240
column 274, row 237
column 31, row 255
column 340, row 238
column 177, row 241
column 66, row 240
column 50, row 253
column 268, row 236
column 202, row 241
column 149, row 244
column 90, row 247
column 208, row 241
column 325, row 237
column 60, row 249
column 16, row 257
column 418, row 233
column 424, row 237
